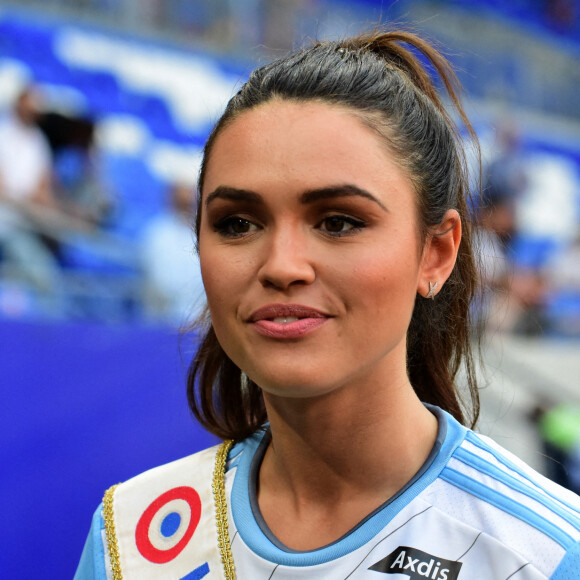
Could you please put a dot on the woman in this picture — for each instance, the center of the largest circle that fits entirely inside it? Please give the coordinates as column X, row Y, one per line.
column 336, row 256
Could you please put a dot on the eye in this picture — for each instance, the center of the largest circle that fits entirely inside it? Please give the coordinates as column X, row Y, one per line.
column 234, row 226
column 338, row 225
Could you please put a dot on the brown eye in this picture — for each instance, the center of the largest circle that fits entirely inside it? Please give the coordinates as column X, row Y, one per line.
column 239, row 226
column 336, row 225
column 340, row 225
column 234, row 226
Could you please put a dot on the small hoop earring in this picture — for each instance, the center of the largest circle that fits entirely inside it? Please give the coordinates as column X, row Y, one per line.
column 432, row 288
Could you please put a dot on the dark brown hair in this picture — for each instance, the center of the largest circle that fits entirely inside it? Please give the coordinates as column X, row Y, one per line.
column 383, row 78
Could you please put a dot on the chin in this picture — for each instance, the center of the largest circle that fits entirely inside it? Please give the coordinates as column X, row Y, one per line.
column 303, row 392
column 294, row 385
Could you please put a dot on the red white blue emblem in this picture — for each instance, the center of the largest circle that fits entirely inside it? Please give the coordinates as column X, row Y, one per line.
column 167, row 525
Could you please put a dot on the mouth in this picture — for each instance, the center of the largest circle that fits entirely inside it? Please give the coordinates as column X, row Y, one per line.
column 285, row 313
column 287, row 321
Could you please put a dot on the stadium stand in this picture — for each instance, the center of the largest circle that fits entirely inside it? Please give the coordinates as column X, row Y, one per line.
column 152, row 108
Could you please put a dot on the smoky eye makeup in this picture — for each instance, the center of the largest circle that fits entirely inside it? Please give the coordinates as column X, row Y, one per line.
column 338, row 225
column 233, row 226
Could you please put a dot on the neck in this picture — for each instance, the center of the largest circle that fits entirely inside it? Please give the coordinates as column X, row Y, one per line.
column 346, row 449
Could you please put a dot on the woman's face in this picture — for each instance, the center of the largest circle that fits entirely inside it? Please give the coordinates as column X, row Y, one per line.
column 309, row 249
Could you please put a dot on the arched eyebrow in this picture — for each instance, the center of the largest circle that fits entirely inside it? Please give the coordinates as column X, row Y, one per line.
column 233, row 194
column 334, row 191
column 308, row 197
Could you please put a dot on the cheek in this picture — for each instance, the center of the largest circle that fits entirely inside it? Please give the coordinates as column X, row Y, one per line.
column 386, row 282
column 225, row 278
column 212, row 275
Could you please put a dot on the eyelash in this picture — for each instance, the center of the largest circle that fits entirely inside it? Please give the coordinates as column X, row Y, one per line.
column 225, row 226
column 356, row 225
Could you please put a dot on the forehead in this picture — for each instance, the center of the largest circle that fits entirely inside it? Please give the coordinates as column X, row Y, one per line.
column 301, row 145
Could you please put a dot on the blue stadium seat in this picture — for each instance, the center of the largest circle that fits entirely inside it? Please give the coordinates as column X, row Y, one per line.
column 533, row 253
column 101, row 89
column 140, row 194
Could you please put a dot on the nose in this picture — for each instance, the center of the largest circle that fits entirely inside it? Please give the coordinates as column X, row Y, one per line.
column 287, row 261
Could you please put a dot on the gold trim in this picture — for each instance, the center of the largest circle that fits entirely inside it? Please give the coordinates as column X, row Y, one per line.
column 221, row 509
column 108, row 514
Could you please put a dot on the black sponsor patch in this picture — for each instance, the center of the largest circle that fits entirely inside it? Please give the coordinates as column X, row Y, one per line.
column 417, row 565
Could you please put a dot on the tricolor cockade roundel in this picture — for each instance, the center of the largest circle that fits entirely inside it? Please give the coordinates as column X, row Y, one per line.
column 167, row 525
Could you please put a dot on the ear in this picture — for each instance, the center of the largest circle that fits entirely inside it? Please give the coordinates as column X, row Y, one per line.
column 439, row 254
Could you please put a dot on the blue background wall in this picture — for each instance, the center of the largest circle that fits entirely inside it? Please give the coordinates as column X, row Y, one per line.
column 83, row 407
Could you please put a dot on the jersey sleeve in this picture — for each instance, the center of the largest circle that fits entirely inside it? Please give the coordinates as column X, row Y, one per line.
column 92, row 565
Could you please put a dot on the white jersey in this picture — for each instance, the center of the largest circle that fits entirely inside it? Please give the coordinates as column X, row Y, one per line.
column 473, row 512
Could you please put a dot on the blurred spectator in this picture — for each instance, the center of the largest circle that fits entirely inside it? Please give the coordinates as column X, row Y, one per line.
column 517, row 303
column 515, row 297
column 559, row 427
column 505, row 175
column 494, row 221
column 174, row 290
column 562, row 273
column 25, row 160
column 78, row 187
column 25, row 193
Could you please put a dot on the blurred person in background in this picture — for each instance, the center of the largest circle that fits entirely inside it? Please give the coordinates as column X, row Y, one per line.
column 173, row 286
column 26, row 193
column 518, row 289
column 494, row 224
column 79, row 187
column 26, row 162
column 505, row 174
column 337, row 258
column 562, row 275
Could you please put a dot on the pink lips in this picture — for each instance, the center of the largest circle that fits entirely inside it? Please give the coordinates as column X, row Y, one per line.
column 277, row 320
